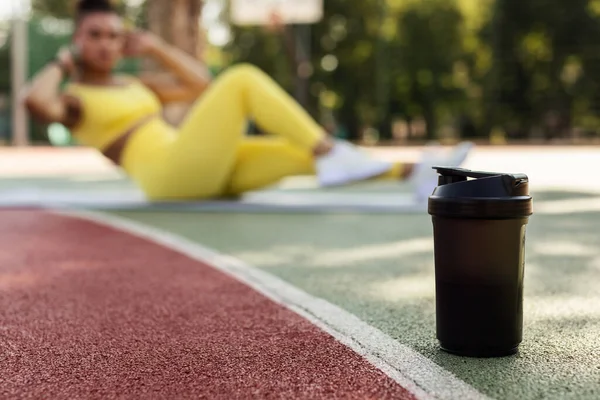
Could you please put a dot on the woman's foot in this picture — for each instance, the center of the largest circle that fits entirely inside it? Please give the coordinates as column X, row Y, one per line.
column 424, row 178
column 345, row 163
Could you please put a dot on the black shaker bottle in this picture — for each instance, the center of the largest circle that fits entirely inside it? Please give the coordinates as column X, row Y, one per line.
column 479, row 244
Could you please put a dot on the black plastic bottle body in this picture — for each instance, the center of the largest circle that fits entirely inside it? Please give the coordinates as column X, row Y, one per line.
column 479, row 268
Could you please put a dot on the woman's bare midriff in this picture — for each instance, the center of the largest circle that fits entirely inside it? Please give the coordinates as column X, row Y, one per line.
column 114, row 151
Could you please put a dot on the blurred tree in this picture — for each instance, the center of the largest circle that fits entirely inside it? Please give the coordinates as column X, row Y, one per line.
column 425, row 57
column 55, row 8
column 63, row 8
column 176, row 21
column 348, row 69
column 370, row 60
column 546, row 69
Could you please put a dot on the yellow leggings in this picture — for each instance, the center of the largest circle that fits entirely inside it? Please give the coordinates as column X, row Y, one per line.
column 210, row 156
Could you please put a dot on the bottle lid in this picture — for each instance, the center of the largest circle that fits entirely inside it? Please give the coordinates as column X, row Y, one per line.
column 463, row 193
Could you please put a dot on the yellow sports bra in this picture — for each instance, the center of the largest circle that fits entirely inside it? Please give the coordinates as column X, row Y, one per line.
column 110, row 111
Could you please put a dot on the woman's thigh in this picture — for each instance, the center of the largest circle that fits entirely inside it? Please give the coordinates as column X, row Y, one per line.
column 264, row 161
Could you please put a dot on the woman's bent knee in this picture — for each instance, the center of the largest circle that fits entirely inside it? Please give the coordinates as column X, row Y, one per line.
column 241, row 73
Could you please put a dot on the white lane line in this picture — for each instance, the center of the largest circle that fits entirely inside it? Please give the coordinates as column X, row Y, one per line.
column 414, row 372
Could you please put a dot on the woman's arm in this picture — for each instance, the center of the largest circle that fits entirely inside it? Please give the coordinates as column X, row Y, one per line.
column 42, row 96
column 193, row 76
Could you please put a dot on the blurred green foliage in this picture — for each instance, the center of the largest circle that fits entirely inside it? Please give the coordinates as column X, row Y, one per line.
column 461, row 67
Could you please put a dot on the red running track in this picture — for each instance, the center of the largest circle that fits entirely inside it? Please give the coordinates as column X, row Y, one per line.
column 90, row 312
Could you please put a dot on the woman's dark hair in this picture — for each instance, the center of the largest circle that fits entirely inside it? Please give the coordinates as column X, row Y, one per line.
column 85, row 7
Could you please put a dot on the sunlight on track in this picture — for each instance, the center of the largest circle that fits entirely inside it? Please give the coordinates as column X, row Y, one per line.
column 564, row 248
column 568, row 206
column 314, row 257
column 406, row 287
column 561, row 307
column 359, row 255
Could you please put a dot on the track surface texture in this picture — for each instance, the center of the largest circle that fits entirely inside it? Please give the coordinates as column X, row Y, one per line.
column 90, row 312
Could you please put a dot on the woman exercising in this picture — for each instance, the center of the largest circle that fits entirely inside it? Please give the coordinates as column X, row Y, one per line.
column 208, row 155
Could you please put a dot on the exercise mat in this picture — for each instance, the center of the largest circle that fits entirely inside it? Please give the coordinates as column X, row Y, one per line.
column 275, row 200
